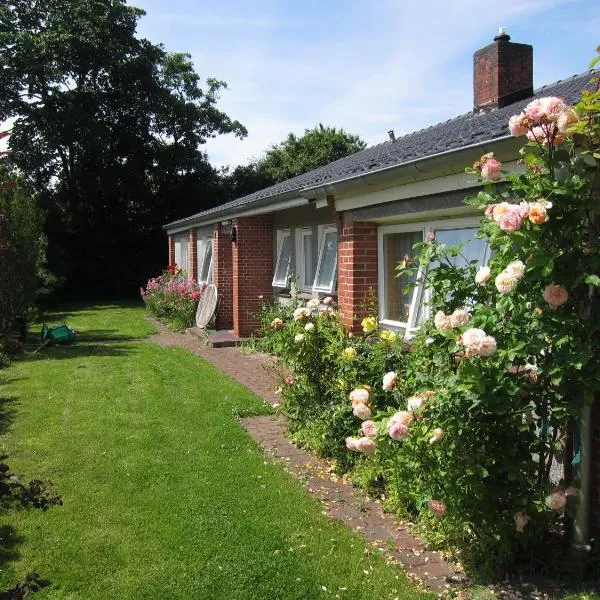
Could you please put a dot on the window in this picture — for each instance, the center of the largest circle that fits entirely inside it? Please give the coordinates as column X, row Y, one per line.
column 181, row 251
column 284, row 256
column 305, row 258
column 409, row 309
column 205, row 255
column 325, row 277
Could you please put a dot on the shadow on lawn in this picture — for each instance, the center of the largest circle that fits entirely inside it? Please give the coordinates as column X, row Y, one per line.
column 9, row 540
column 82, row 348
column 7, row 410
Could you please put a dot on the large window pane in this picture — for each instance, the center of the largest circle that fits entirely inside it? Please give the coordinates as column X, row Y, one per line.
column 324, row 280
column 395, row 247
column 473, row 248
column 307, row 260
column 205, row 266
column 283, row 261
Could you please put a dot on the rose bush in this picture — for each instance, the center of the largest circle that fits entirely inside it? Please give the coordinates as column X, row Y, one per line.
column 172, row 298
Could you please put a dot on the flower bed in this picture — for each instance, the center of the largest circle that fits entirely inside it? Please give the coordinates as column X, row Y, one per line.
column 172, row 298
column 460, row 433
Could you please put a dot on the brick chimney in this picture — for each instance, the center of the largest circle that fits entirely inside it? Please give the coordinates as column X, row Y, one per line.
column 502, row 73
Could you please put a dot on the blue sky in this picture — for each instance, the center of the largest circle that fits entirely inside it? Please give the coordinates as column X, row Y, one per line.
column 365, row 66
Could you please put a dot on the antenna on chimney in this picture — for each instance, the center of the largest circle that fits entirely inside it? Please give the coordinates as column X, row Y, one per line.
column 392, row 135
column 502, row 35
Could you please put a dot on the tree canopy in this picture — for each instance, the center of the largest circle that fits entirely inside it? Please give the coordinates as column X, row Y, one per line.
column 108, row 129
column 318, row 146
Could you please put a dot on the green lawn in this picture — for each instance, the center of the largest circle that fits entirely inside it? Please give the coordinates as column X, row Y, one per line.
column 165, row 495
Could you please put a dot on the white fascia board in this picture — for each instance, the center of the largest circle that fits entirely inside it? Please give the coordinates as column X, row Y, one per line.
column 217, row 217
column 427, row 187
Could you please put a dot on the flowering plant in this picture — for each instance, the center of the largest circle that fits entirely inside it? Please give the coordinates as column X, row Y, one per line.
column 172, row 297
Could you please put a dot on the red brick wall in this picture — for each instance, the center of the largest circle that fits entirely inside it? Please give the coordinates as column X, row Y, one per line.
column 223, row 277
column 171, row 250
column 357, row 270
column 252, row 271
column 192, row 256
column 595, row 483
column 502, row 74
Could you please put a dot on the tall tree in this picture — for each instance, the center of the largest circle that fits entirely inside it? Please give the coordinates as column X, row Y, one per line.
column 295, row 155
column 108, row 132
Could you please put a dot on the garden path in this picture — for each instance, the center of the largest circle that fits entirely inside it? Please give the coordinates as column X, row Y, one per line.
column 341, row 500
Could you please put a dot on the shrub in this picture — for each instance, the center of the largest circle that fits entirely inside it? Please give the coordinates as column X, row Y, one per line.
column 172, row 298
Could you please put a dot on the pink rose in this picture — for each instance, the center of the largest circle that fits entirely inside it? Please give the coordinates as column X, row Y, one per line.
column 397, row 431
column 566, row 119
column 289, row 380
column 556, row 501
column 276, row 323
column 555, row 295
column 403, row 417
column 553, row 107
column 489, row 211
column 516, row 125
column 351, row 444
column 491, row 169
column 535, row 110
column 500, row 210
column 537, row 213
column 369, row 428
column 511, row 220
column 365, row 445
column 459, row 318
column 359, row 396
column 437, row 507
column 442, row 321
column 361, row 411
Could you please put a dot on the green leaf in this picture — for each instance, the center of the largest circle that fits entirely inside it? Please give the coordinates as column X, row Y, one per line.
column 593, row 280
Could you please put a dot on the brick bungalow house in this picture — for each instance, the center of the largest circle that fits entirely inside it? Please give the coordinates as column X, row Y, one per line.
column 341, row 229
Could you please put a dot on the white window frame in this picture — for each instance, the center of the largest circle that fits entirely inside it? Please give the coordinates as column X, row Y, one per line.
column 282, row 234
column 183, row 242
column 203, row 244
column 421, row 294
column 323, row 231
column 301, row 233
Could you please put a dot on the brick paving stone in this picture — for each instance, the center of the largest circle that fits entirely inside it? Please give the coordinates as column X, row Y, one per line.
column 257, row 372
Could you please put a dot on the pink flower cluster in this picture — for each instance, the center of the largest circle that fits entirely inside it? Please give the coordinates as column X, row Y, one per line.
column 444, row 322
column 544, row 120
column 478, row 343
column 361, row 407
column 363, row 444
column 555, row 295
column 510, row 217
column 490, row 167
column 398, row 425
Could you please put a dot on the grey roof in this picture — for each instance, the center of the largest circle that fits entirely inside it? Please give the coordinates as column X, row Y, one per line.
column 460, row 132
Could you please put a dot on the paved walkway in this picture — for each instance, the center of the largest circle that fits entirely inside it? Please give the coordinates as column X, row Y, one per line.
column 340, row 500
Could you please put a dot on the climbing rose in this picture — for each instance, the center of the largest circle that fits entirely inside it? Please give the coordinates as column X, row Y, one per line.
column 276, row 323
column 403, row 417
column 478, row 343
column 299, row 337
column 289, row 380
column 309, row 326
column 505, row 282
column 437, row 507
column 534, row 110
column 556, row 501
column 553, row 107
column 369, row 324
column 359, row 396
column 389, row 381
column 327, row 300
column 555, row 295
column 499, row 210
column 369, row 428
column 351, row 444
column 349, row 353
column 566, row 119
column 516, row 125
column 438, row 435
column 442, row 321
column 312, row 303
column 521, row 520
column 511, row 220
column 459, row 318
column 362, row 411
column 482, row 275
column 491, row 169
column 515, row 269
column 537, row 213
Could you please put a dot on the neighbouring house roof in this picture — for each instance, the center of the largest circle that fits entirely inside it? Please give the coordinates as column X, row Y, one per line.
column 461, row 132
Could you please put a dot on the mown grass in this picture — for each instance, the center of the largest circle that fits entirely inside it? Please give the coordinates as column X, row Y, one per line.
column 165, row 495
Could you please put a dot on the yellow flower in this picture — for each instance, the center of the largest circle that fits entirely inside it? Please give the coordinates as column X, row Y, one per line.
column 349, row 353
column 369, row 324
column 387, row 335
column 341, row 384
